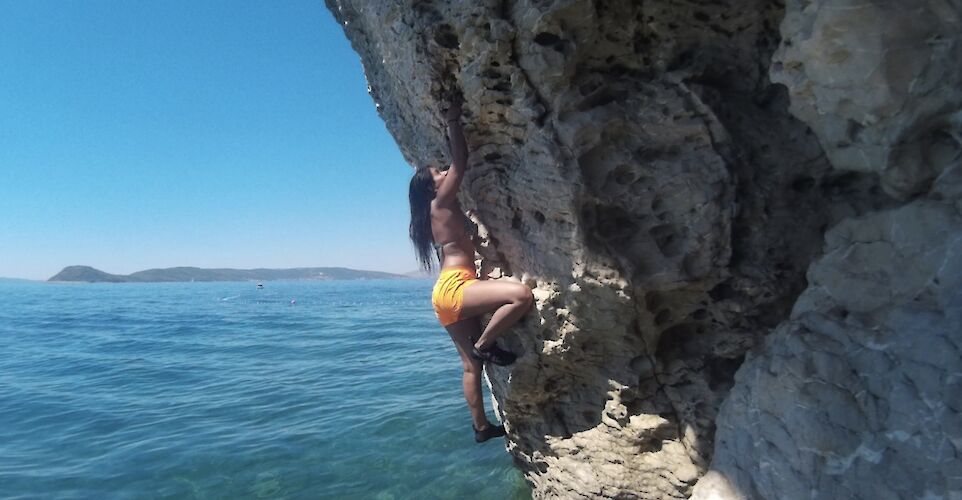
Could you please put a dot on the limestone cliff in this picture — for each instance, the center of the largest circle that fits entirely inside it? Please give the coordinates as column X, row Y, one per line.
column 697, row 188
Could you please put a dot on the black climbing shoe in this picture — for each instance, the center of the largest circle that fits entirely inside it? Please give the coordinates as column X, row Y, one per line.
column 493, row 354
column 489, row 432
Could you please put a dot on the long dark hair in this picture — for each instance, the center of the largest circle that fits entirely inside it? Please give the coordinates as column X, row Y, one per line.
column 420, row 195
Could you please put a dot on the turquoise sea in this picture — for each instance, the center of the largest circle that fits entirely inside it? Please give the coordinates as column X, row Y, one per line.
column 343, row 389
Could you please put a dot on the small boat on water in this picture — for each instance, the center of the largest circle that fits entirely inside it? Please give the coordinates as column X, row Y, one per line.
column 260, row 285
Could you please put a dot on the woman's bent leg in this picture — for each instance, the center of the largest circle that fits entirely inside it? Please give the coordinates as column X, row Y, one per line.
column 463, row 333
column 506, row 300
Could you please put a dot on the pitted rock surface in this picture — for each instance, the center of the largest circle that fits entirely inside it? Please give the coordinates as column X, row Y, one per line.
column 633, row 163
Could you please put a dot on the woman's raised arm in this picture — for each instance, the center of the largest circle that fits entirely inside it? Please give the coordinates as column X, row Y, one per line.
column 459, row 153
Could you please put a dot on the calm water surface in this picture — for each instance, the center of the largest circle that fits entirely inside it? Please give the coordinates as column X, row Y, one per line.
column 221, row 390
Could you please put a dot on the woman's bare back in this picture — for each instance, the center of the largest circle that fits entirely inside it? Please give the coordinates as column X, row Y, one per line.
column 448, row 226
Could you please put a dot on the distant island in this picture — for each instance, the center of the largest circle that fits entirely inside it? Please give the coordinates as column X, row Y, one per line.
column 177, row 274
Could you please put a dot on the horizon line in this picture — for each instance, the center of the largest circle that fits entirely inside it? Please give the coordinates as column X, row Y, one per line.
column 413, row 271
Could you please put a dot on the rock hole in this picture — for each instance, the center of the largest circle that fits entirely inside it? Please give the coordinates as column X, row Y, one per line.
column 854, row 130
column 650, row 446
column 653, row 301
column 683, row 60
column 666, row 237
column 446, row 38
column 722, row 291
column 843, row 183
column 643, row 182
column 538, row 216
column 663, row 317
column 545, row 38
column 549, row 386
column 701, row 16
column 647, row 154
column 614, row 224
column 839, row 312
column 721, row 371
column 618, row 69
column 675, row 341
column 940, row 150
column 634, row 406
column 590, row 86
column 600, row 98
column 492, row 157
column 699, row 314
column 803, row 184
column 623, row 174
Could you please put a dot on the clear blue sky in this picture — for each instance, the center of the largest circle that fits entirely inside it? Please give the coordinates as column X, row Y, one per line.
column 200, row 133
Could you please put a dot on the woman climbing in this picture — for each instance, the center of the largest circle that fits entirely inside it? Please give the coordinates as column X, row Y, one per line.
column 459, row 298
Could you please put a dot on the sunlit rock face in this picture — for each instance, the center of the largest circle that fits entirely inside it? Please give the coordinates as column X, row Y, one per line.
column 634, row 164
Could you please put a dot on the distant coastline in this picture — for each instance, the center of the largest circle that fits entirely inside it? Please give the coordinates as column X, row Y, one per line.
column 88, row 274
